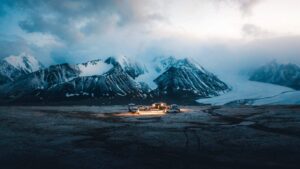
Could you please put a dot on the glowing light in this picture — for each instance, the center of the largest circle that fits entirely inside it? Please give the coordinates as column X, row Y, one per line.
column 142, row 113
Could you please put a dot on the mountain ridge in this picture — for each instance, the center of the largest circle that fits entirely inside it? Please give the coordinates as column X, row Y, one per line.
column 280, row 74
column 113, row 79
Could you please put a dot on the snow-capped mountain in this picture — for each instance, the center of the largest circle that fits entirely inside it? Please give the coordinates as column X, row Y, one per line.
column 114, row 79
column 95, row 79
column 133, row 68
column 31, row 84
column 113, row 84
column 163, row 63
column 280, row 74
column 54, row 75
column 184, row 79
column 13, row 67
column 24, row 62
column 157, row 66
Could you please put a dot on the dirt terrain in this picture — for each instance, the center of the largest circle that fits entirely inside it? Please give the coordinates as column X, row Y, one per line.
column 108, row 137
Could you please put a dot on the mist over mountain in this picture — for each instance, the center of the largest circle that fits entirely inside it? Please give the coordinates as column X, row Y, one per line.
column 142, row 84
column 74, row 40
column 114, row 79
column 223, row 35
column 280, row 74
column 13, row 67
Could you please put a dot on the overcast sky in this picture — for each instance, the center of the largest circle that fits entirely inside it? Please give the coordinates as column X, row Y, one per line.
column 220, row 34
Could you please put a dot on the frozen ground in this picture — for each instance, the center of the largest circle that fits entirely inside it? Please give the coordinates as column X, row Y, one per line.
column 108, row 137
column 254, row 93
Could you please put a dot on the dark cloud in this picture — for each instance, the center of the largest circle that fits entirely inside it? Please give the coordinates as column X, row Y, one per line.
column 15, row 45
column 61, row 18
column 10, row 44
column 69, row 19
column 58, row 26
column 90, row 29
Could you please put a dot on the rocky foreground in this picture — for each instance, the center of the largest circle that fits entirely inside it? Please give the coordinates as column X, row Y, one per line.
column 109, row 137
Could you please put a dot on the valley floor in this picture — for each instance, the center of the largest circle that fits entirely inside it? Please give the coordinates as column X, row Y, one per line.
column 103, row 137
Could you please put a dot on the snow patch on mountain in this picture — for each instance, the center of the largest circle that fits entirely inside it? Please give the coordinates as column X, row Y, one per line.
column 132, row 67
column 13, row 67
column 24, row 62
column 96, row 67
column 155, row 67
column 148, row 78
column 161, row 64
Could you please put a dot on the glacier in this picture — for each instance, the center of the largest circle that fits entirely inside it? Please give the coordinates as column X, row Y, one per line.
column 244, row 91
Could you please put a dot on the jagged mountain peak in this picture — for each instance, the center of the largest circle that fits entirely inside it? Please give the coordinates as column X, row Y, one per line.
column 13, row 67
column 117, row 77
column 185, row 78
column 121, row 60
column 112, row 60
column 132, row 67
column 24, row 62
column 185, row 63
column 94, row 67
column 188, row 81
column 162, row 63
column 92, row 62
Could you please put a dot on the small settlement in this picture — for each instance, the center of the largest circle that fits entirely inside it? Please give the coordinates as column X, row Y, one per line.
column 157, row 107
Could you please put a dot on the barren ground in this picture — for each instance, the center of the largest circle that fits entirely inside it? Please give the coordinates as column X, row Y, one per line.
column 107, row 137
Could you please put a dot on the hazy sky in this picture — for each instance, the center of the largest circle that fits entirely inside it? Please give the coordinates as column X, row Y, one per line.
column 217, row 33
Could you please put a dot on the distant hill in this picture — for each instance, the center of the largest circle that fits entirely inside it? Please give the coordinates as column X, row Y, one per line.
column 280, row 74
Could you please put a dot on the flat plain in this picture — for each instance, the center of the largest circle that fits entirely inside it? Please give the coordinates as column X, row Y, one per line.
column 108, row 137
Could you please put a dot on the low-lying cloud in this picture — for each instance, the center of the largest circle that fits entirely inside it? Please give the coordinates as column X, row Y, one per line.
column 74, row 31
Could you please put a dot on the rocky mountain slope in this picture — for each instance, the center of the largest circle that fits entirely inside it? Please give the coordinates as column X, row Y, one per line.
column 30, row 85
column 184, row 79
column 280, row 74
column 114, row 84
column 132, row 68
column 13, row 67
column 115, row 78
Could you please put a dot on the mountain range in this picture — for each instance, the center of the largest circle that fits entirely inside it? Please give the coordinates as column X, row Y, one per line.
column 109, row 81
column 280, row 74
